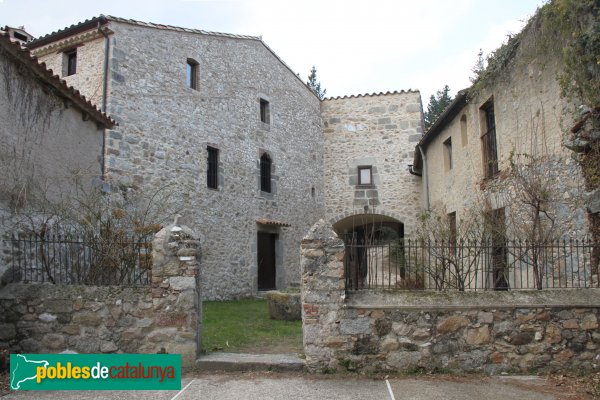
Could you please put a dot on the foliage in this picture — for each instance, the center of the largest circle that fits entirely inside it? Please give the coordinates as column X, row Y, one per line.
column 478, row 68
column 437, row 105
column 314, row 85
column 244, row 326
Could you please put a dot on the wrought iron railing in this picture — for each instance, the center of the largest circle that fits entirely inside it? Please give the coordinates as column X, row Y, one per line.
column 474, row 265
column 79, row 259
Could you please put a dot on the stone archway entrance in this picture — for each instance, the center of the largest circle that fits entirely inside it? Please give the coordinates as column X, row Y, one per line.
column 374, row 250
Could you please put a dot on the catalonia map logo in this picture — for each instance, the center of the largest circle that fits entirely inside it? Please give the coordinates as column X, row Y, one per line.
column 95, row 372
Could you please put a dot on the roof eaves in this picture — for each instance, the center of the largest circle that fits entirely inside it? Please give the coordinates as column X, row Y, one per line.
column 371, row 94
column 449, row 113
column 68, row 31
column 86, row 106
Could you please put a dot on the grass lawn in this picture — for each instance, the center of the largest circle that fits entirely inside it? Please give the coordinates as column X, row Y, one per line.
column 244, row 326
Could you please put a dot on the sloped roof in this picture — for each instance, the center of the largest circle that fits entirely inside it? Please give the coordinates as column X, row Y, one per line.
column 371, row 94
column 23, row 55
column 103, row 19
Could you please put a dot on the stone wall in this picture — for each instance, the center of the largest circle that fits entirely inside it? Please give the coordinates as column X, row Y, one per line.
column 531, row 118
column 40, row 318
column 165, row 128
column 48, row 148
column 379, row 131
column 492, row 332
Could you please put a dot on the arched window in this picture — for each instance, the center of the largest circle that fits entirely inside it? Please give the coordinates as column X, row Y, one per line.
column 265, row 173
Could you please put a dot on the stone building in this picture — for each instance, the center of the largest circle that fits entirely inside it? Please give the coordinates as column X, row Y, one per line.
column 368, row 147
column 516, row 116
column 220, row 123
column 51, row 136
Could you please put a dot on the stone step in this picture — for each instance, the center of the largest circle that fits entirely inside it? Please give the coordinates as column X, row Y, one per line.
column 249, row 362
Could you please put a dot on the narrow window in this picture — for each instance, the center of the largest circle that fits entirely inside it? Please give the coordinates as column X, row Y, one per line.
column 70, row 58
column 264, row 111
column 448, row 154
column 265, row 173
column 191, row 74
column 312, row 192
column 365, row 175
column 212, row 172
column 463, row 130
column 490, row 149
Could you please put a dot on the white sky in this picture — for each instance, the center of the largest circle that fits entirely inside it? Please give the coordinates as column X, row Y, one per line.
column 357, row 46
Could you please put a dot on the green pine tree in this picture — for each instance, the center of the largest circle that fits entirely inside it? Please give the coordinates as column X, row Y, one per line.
column 315, row 85
column 437, row 105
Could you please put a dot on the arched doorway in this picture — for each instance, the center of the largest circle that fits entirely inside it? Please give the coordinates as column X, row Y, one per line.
column 374, row 256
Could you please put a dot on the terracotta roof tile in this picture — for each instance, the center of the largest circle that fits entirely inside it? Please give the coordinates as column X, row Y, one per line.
column 86, row 106
column 371, row 94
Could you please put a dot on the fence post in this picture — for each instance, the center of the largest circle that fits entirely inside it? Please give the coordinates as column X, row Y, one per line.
column 176, row 289
column 323, row 294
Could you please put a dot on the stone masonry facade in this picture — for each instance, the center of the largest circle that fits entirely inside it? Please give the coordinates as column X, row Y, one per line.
column 166, row 127
column 531, row 118
column 488, row 332
column 378, row 131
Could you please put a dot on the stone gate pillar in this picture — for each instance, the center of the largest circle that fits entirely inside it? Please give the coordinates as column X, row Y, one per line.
column 323, row 294
column 176, row 292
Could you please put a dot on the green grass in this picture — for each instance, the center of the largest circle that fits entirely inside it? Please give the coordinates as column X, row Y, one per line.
column 244, row 326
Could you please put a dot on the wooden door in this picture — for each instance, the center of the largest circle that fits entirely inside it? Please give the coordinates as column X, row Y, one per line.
column 266, row 260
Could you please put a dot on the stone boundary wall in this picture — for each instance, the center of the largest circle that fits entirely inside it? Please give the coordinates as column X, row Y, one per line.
column 492, row 332
column 46, row 318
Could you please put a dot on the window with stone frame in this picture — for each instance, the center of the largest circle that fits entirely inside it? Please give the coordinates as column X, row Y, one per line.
column 365, row 175
column 265, row 112
column 488, row 140
column 70, row 62
column 191, row 74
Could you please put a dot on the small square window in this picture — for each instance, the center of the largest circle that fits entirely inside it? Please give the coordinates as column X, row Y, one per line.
column 70, row 62
column 365, row 176
column 264, row 111
column 191, row 74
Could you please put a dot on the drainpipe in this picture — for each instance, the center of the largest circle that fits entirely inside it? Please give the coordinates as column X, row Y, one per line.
column 425, row 177
column 104, row 93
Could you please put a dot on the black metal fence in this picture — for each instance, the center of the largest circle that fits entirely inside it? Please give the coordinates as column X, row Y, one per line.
column 80, row 260
column 475, row 265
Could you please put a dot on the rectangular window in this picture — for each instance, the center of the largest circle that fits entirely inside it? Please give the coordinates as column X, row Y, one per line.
column 212, row 172
column 265, row 173
column 448, row 154
column 264, row 111
column 191, row 74
column 488, row 139
column 365, row 176
column 463, row 130
column 71, row 62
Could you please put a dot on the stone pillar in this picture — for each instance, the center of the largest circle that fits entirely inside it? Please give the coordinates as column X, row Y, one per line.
column 323, row 294
column 176, row 291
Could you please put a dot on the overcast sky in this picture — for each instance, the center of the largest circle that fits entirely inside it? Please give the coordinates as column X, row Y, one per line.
column 357, row 46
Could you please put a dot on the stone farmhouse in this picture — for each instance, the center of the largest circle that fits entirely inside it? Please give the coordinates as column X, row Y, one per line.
column 236, row 137
column 252, row 158
column 50, row 134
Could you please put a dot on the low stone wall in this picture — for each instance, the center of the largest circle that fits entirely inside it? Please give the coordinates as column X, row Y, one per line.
column 521, row 331
column 46, row 318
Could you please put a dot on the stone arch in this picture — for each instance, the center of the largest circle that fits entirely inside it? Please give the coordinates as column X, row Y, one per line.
column 379, row 215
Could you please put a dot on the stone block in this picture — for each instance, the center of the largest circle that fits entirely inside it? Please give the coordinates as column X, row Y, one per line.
column 87, row 318
column 108, row 347
column 478, row 336
column 182, row 282
column 171, row 319
column 54, row 341
column 589, row 322
column 355, row 326
column 553, row 334
column 284, row 306
column 7, row 331
column 452, row 324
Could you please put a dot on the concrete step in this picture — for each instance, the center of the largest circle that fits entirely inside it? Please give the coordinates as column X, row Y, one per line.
column 249, row 362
